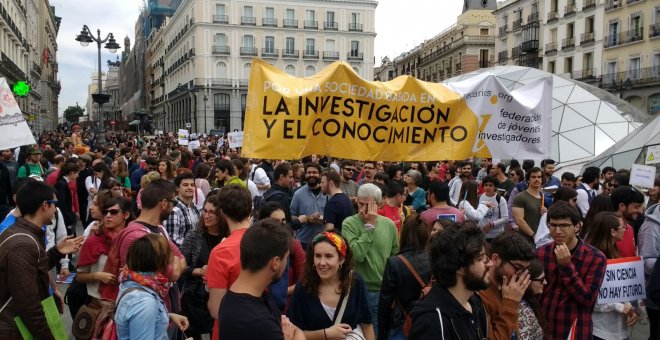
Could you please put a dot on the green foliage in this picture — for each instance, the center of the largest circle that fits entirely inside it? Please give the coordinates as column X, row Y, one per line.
column 72, row 113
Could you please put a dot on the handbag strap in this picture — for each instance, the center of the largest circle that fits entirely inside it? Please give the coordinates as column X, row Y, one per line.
column 3, row 242
column 412, row 270
column 344, row 302
column 128, row 290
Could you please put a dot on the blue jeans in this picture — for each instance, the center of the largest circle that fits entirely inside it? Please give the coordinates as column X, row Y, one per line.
column 372, row 298
column 396, row 334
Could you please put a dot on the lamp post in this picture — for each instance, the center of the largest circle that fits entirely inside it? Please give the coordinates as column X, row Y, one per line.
column 627, row 85
column 205, row 100
column 85, row 37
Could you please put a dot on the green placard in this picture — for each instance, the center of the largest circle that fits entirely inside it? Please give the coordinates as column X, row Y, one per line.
column 53, row 318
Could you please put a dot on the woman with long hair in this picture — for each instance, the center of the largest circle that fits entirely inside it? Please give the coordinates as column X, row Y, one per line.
column 119, row 169
column 469, row 201
column 400, row 289
column 166, row 169
column 531, row 320
column 611, row 320
column 100, row 173
column 202, row 172
column 602, row 202
column 196, row 248
column 328, row 284
column 141, row 312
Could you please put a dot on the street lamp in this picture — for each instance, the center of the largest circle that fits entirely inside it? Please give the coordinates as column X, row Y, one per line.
column 205, row 100
column 85, row 37
column 627, row 85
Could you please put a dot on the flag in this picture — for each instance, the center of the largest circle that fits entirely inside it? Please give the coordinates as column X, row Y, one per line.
column 13, row 128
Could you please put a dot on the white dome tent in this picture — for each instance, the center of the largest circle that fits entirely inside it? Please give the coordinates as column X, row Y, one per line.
column 586, row 120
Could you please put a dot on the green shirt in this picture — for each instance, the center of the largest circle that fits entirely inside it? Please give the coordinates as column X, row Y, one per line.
column 371, row 248
column 35, row 169
column 235, row 180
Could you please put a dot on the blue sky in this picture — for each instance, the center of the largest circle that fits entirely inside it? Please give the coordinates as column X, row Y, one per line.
column 400, row 26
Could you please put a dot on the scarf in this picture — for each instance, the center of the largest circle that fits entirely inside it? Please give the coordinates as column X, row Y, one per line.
column 157, row 282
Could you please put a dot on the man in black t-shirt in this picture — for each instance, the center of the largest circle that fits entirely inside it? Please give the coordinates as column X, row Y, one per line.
column 339, row 206
column 246, row 311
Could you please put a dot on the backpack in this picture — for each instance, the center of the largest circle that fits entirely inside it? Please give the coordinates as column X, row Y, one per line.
column 425, row 289
column 105, row 327
column 259, row 201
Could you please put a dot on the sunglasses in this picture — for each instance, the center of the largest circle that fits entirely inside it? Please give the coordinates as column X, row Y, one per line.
column 112, row 212
column 50, row 202
column 349, row 169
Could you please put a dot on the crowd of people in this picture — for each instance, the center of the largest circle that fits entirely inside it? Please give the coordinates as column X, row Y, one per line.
column 181, row 243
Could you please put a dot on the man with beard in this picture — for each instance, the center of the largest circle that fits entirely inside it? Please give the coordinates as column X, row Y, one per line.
column 574, row 271
column 247, row 311
column 348, row 185
column 460, row 266
column 339, row 206
column 627, row 203
column 509, row 278
column 307, row 206
column 528, row 205
column 455, row 188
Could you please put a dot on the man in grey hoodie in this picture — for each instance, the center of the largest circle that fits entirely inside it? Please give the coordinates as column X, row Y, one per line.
column 649, row 248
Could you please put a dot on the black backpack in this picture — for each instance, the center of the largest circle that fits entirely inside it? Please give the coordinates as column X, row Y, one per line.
column 259, row 201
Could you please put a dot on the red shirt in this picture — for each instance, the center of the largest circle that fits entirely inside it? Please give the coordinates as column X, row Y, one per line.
column 627, row 245
column 392, row 213
column 225, row 265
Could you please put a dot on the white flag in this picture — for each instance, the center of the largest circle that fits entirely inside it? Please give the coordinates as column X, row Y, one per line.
column 13, row 127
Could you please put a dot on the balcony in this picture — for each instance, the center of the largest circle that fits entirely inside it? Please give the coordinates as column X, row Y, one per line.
column 221, row 19
column 585, row 74
column 517, row 24
column 626, row 37
column 613, row 4
column 248, row 21
column 630, row 2
column 569, row 10
column 270, row 53
column 567, row 44
column 530, row 46
column 588, row 4
column 220, row 82
column 355, row 56
column 290, row 54
column 637, row 77
column 355, row 27
column 587, row 38
column 503, row 55
column 330, row 55
column 330, row 25
column 249, row 51
column 309, row 24
column 310, row 54
column 290, row 23
column 269, row 22
column 224, row 50
column 551, row 48
column 515, row 52
column 503, row 30
column 552, row 17
column 654, row 31
column 534, row 17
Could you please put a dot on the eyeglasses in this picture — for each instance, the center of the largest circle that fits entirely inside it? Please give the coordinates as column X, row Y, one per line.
column 513, row 174
column 625, row 227
column 369, row 168
column 51, row 202
column 483, row 258
column 518, row 267
column 540, row 279
column 210, row 212
column 560, row 226
column 112, row 212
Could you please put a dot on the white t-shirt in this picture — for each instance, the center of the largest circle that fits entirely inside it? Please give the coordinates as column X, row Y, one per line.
column 259, row 176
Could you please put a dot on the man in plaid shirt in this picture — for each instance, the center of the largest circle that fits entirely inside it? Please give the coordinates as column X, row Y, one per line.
column 185, row 215
column 574, row 271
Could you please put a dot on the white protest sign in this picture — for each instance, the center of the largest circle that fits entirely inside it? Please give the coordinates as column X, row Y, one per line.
column 183, row 136
column 235, row 139
column 623, row 282
column 642, row 175
column 652, row 155
column 13, row 128
column 194, row 144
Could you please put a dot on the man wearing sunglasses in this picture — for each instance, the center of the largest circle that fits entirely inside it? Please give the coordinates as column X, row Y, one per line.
column 510, row 254
column 348, row 185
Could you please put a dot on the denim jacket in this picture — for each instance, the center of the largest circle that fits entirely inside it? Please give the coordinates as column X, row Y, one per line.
column 141, row 314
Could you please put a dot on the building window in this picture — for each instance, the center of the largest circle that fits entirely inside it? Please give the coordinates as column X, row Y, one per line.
column 220, row 39
column 290, row 45
column 290, row 70
column 221, row 102
column 483, row 31
column 248, row 41
column 634, row 68
column 269, row 44
column 248, row 11
column 483, row 58
column 310, row 15
column 290, row 14
column 310, row 46
column 310, row 71
column 614, row 34
column 551, row 67
column 330, row 45
column 636, row 26
column 221, row 70
column 355, row 48
column 246, row 70
column 568, row 65
column 270, row 13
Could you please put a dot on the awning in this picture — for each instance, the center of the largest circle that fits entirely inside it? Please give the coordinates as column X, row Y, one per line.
column 134, row 123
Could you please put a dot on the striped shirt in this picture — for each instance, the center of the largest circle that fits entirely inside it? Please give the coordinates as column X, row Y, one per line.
column 182, row 219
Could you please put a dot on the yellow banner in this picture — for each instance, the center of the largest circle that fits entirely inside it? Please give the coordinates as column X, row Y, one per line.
column 339, row 114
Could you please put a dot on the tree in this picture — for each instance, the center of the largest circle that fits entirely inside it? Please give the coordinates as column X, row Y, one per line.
column 72, row 113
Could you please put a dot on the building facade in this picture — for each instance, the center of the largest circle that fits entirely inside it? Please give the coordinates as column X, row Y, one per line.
column 14, row 46
column 519, row 33
column 201, row 57
column 384, row 72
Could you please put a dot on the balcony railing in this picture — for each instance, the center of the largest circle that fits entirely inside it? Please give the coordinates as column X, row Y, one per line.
column 269, row 22
column 355, row 27
column 590, row 73
column 270, row 52
column 503, row 30
column 630, row 2
column 330, row 25
column 221, row 18
column 654, row 31
column 569, row 10
column 503, row 55
column 613, row 4
column 252, row 21
column 309, row 24
column 534, row 17
column 587, row 38
column 249, row 51
column 220, row 82
column 290, row 23
column 552, row 17
column 290, row 53
column 625, row 37
column 330, row 55
column 639, row 76
column 551, row 48
column 221, row 50
column 310, row 54
column 530, row 46
column 517, row 24
column 568, row 43
column 355, row 56
column 588, row 4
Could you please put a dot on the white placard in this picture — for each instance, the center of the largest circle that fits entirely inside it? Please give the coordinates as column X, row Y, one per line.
column 183, row 136
column 642, row 175
column 194, row 144
column 652, row 155
column 235, row 139
column 13, row 127
column 623, row 282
